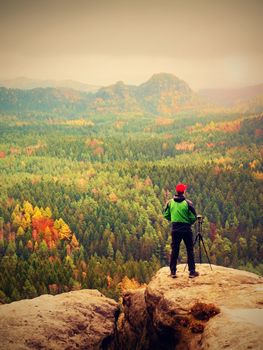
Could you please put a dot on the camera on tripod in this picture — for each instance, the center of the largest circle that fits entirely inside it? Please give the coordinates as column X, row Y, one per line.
column 200, row 218
column 200, row 241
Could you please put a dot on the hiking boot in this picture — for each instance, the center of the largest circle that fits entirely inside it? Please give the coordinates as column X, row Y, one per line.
column 173, row 274
column 193, row 274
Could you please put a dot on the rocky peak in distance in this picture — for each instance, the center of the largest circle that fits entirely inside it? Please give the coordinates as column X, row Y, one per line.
column 164, row 82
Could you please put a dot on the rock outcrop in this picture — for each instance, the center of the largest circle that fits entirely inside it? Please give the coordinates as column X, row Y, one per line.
column 82, row 319
column 220, row 309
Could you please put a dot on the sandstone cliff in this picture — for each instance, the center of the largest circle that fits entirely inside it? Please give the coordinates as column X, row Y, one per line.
column 221, row 309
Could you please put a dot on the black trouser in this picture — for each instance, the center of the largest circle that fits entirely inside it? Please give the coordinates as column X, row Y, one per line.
column 182, row 232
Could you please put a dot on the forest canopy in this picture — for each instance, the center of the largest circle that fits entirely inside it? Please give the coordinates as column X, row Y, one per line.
column 82, row 196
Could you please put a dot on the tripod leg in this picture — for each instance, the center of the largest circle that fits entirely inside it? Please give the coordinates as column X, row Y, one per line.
column 196, row 237
column 200, row 253
column 206, row 252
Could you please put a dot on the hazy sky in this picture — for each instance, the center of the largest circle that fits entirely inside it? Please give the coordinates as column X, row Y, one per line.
column 208, row 43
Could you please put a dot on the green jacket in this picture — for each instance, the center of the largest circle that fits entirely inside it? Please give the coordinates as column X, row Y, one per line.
column 180, row 210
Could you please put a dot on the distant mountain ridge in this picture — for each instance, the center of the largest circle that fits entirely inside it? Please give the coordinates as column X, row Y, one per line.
column 162, row 94
column 42, row 100
column 29, row 84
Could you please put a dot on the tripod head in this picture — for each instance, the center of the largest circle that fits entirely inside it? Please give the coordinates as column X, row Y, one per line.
column 199, row 224
column 200, row 218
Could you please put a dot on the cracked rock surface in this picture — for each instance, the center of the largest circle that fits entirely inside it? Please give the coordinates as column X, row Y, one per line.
column 83, row 319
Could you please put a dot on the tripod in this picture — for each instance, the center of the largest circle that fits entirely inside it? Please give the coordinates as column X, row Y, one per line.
column 199, row 240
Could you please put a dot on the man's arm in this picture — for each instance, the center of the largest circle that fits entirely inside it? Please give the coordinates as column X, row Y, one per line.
column 192, row 212
column 167, row 212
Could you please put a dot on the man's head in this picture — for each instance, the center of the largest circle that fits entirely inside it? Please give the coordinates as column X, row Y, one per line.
column 180, row 188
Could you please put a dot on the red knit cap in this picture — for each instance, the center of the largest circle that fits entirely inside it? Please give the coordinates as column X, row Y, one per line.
column 181, row 188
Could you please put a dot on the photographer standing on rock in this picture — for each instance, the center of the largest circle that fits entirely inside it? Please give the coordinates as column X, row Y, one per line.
column 181, row 212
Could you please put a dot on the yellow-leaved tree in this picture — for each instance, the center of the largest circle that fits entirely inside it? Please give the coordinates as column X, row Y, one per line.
column 37, row 213
column 28, row 208
column 63, row 229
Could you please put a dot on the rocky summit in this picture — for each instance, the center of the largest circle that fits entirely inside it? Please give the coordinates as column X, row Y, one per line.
column 220, row 309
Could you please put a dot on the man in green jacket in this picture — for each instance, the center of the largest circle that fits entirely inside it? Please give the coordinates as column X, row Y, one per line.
column 181, row 212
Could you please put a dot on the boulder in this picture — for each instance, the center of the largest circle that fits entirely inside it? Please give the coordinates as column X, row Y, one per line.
column 83, row 319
